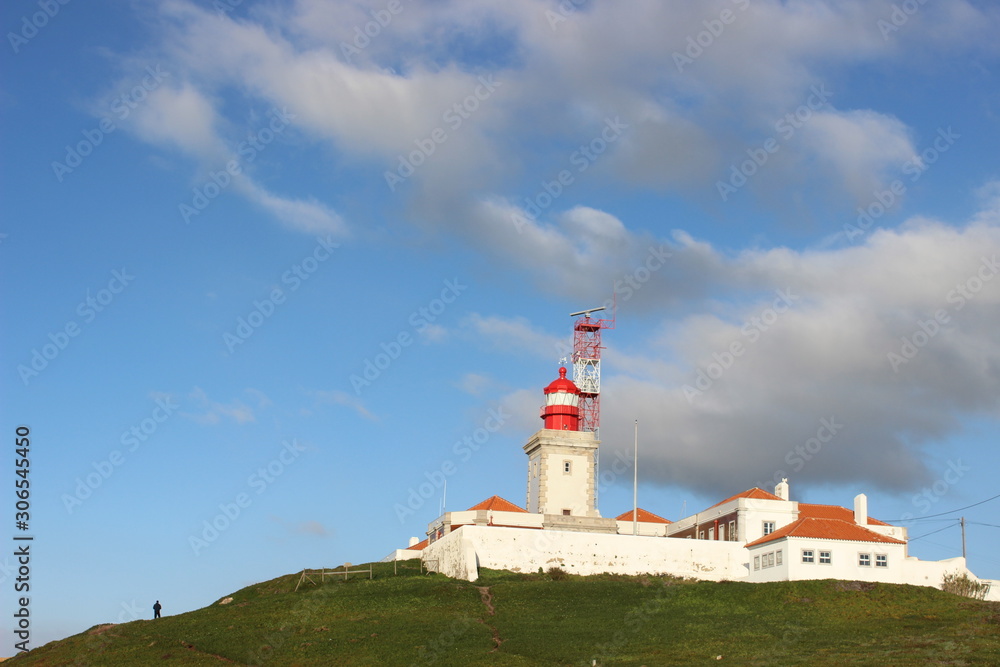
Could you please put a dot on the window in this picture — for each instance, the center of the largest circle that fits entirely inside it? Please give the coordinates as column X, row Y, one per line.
column 768, row 527
column 711, row 533
column 881, row 560
column 701, row 535
column 567, row 467
column 770, row 559
column 732, row 531
column 566, row 512
column 756, row 562
column 807, row 555
column 777, row 557
column 865, row 560
column 825, row 558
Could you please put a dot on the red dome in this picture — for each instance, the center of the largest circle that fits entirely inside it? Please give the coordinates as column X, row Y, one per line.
column 562, row 384
column 562, row 404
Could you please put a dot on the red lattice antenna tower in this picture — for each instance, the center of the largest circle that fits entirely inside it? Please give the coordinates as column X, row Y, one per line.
column 587, row 365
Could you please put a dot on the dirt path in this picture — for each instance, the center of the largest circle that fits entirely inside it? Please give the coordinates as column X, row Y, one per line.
column 487, row 598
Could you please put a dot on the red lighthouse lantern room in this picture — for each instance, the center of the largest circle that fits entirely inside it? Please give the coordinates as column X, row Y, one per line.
column 562, row 404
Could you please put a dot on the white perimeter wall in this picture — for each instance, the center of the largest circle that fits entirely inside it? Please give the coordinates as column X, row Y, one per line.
column 645, row 528
column 459, row 553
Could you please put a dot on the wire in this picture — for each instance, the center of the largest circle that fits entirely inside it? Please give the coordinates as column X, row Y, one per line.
column 931, row 516
column 977, row 523
column 914, row 539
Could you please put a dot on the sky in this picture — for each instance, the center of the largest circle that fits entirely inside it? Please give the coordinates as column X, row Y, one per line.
column 281, row 279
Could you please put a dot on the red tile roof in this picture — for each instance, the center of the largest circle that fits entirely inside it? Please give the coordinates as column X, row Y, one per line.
column 756, row 493
column 497, row 504
column 833, row 512
column 419, row 545
column 642, row 515
column 826, row 529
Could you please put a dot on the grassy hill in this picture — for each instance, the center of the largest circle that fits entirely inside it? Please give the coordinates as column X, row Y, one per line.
column 542, row 619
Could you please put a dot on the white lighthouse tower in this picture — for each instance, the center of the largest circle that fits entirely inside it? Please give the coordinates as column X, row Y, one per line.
column 562, row 475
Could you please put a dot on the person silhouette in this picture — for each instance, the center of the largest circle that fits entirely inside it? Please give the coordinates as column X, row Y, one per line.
column 156, row 609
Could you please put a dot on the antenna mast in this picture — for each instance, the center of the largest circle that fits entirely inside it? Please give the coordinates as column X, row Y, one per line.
column 587, row 366
column 587, row 374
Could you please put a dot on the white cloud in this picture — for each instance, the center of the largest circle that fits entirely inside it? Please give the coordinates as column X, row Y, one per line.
column 337, row 397
column 927, row 293
column 516, row 334
column 309, row 217
column 181, row 117
column 212, row 412
column 861, row 148
column 474, row 383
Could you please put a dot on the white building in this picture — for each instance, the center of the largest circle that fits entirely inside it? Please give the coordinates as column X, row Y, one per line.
column 755, row 535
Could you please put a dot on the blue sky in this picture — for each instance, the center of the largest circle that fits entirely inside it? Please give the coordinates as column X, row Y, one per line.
column 219, row 215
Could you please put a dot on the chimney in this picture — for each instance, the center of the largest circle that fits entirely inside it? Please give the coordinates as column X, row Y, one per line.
column 781, row 490
column 861, row 509
column 414, row 541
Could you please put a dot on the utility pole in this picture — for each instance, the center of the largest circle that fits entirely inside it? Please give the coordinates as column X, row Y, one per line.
column 963, row 536
column 635, row 482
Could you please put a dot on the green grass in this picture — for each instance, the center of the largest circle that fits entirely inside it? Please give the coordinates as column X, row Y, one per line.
column 542, row 619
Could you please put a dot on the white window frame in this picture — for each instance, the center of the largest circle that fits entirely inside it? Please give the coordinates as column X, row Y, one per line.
column 756, row 563
column 777, row 557
column 732, row 531
column 768, row 527
column 828, row 558
column 864, row 560
column 881, row 560
column 808, row 556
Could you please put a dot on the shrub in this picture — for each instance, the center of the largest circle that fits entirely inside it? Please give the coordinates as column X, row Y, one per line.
column 557, row 573
column 963, row 585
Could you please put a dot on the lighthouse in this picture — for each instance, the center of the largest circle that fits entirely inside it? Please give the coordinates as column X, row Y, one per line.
column 562, row 404
column 562, row 475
